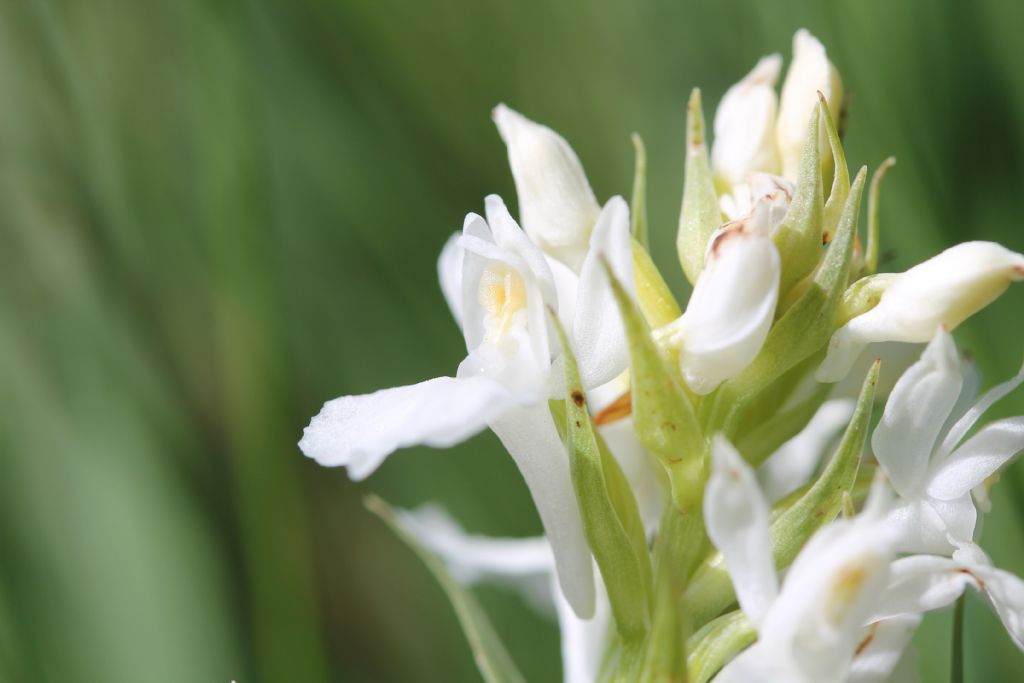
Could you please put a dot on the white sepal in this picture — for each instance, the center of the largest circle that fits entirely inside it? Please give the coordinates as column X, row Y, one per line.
column 745, row 125
column 738, row 523
column 810, row 73
column 449, row 273
column 556, row 205
column 915, row 413
column 598, row 334
column 977, row 459
column 943, row 291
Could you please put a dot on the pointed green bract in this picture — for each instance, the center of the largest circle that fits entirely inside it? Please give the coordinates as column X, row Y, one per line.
column 798, row 237
column 611, row 519
column 711, row 590
column 767, row 437
column 700, row 215
column 716, row 643
column 663, row 417
column 803, row 330
column 824, row 500
column 834, row 207
column 492, row 659
column 652, row 294
column 638, row 205
column 871, row 253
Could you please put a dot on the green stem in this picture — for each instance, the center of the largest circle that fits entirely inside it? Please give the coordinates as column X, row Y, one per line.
column 956, row 669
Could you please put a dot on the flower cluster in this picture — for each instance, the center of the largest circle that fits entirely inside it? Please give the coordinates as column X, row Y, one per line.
column 715, row 504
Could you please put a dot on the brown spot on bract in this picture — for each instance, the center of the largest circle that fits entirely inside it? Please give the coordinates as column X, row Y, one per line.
column 618, row 409
column 577, row 398
column 578, row 424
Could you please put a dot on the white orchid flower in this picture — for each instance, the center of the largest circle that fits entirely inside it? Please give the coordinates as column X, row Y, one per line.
column 745, row 126
column 944, row 291
column 522, row 564
column 809, row 630
column 499, row 294
column 732, row 305
column 918, row 443
column 810, row 73
column 557, row 208
column 921, row 583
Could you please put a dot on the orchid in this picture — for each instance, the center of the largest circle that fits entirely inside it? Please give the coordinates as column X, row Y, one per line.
column 810, row 628
column 714, row 503
column 918, row 443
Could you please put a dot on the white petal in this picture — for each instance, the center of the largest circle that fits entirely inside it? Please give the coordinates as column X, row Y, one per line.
column 922, row 583
column 831, row 590
column 567, row 284
column 583, row 640
column 879, row 654
column 517, row 355
column 359, row 432
column 557, row 207
column 971, row 415
column 523, row 564
column 979, row 457
column 530, row 437
column 920, row 527
column 737, row 519
column 745, row 125
column 449, row 272
column 597, row 332
column 941, row 292
column 508, row 235
column 915, row 412
column 1006, row 594
column 810, row 72
column 959, row 516
column 731, row 309
column 792, row 465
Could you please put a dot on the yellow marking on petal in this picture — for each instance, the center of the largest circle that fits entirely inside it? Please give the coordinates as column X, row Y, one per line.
column 502, row 294
column 845, row 591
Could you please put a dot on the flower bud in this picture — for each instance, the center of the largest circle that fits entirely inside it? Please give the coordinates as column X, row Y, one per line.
column 943, row 291
column 557, row 208
column 732, row 306
column 745, row 126
column 811, row 72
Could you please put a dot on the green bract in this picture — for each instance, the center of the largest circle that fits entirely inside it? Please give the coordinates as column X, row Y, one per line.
column 700, row 215
column 609, row 511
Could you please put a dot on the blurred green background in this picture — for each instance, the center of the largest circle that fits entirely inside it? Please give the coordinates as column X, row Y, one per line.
column 217, row 215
